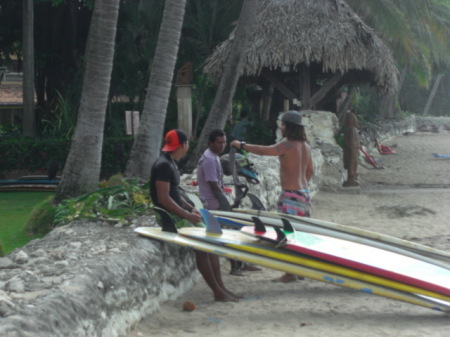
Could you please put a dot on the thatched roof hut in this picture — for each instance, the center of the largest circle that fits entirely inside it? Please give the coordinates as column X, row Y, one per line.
column 325, row 34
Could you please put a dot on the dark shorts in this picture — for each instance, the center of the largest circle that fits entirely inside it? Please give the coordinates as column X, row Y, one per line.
column 295, row 203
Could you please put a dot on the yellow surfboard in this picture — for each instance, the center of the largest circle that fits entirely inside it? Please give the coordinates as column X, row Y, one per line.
column 327, row 277
column 237, row 240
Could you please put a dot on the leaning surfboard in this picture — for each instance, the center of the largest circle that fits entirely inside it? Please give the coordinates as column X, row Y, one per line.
column 240, row 241
column 361, row 257
column 335, row 230
column 239, row 223
column 331, row 278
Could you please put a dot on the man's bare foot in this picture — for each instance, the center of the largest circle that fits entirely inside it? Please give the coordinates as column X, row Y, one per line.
column 233, row 294
column 286, row 278
column 226, row 298
column 250, row 267
column 350, row 183
column 236, row 272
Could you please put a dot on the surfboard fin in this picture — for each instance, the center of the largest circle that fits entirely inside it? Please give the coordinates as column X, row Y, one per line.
column 287, row 225
column 212, row 225
column 167, row 223
column 259, row 226
column 281, row 237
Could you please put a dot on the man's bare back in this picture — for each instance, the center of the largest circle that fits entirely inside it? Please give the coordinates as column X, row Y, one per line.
column 296, row 168
column 295, row 164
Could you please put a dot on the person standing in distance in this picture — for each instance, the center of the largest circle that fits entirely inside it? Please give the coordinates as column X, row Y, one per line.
column 296, row 168
column 165, row 193
column 240, row 129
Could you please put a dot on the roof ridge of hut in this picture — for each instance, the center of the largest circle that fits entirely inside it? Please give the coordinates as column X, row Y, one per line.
column 328, row 32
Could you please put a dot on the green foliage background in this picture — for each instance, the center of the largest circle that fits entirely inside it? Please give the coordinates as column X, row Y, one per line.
column 35, row 154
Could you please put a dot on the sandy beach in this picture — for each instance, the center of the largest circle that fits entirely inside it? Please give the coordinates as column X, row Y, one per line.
column 408, row 198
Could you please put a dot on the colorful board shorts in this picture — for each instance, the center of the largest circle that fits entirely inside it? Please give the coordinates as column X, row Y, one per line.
column 295, row 203
column 179, row 222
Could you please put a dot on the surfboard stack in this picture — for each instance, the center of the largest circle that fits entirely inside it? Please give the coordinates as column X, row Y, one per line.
column 323, row 251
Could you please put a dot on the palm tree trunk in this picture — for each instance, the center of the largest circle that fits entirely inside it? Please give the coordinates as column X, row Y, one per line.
column 389, row 105
column 146, row 146
column 82, row 169
column 29, row 120
column 433, row 91
column 201, row 96
column 227, row 86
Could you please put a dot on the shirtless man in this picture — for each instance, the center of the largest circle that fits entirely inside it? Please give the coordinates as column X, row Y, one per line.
column 296, row 168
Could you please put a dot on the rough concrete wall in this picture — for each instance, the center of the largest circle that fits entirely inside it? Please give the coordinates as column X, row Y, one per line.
column 89, row 279
column 384, row 130
column 321, row 128
column 432, row 124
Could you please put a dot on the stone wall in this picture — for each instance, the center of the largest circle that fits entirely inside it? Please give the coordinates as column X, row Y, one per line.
column 384, row 130
column 432, row 124
column 89, row 279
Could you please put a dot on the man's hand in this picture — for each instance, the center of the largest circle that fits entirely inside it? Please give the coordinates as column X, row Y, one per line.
column 194, row 216
column 236, row 144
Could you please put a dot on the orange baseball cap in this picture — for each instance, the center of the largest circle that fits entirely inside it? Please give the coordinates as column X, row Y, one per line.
column 173, row 140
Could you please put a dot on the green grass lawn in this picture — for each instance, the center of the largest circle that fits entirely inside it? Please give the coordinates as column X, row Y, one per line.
column 15, row 208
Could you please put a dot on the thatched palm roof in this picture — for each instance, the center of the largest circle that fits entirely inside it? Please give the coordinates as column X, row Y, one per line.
column 327, row 32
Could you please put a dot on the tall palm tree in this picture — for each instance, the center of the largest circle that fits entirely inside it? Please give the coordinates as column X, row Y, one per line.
column 82, row 169
column 227, row 86
column 417, row 32
column 146, row 146
column 29, row 123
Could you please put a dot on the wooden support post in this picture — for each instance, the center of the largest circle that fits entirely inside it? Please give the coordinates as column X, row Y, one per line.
column 326, row 88
column 306, row 87
column 267, row 102
column 278, row 84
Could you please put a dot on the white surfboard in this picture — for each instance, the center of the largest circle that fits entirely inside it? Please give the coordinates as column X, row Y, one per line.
column 425, row 253
column 235, row 222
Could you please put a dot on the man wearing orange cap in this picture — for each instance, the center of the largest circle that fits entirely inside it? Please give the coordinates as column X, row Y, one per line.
column 165, row 179
column 165, row 193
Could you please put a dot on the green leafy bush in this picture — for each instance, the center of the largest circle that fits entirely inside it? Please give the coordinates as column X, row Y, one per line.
column 62, row 118
column 115, row 155
column 260, row 134
column 35, row 154
column 115, row 204
column 31, row 154
column 41, row 219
